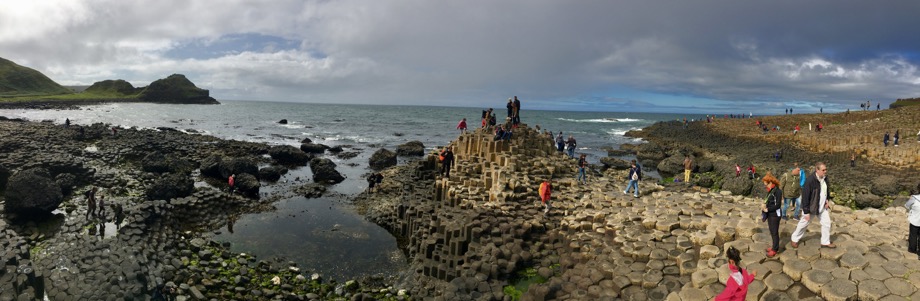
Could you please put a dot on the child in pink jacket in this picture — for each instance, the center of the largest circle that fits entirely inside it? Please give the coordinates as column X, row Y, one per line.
column 737, row 285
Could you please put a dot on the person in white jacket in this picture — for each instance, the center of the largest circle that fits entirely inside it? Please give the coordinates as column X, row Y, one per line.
column 913, row 216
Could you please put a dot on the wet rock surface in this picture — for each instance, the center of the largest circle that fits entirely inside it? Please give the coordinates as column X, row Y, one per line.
column 154, row 238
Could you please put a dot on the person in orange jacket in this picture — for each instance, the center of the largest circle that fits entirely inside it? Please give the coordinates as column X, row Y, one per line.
column 546, row 189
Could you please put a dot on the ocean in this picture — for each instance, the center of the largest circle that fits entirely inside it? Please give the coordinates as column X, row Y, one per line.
column 325, row 235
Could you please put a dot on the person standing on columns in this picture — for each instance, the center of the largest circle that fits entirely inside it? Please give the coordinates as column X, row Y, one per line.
column 688, row 165
column 448, row 159
column 816, row 203
column 516, row 119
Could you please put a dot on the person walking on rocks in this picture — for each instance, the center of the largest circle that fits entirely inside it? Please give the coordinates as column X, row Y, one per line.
column 546, row 190
column 462, row 126
column 771, row 208
column 119, row 215
column 688, row 164
column 231, row 183
column 853, row 159
column 560, row 142
column 737, row 170
column 897, row 136
column 90, row 196
column 816, row 203
column 446, row 163
column 510, row 107
column 582, row 164
column 791, row 192
column 516, row 119
column 101, row 211
column 913, row 218
column 736, row 286
column 635, row 174
column 885, row 139
column 570, row 146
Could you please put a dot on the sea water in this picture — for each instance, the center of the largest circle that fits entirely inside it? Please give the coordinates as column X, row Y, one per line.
column 326, row 235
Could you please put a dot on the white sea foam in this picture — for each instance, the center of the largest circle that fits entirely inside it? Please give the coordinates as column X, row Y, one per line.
column 601, row 120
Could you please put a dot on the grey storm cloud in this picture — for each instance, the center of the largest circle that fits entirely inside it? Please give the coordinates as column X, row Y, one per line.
column 743, row 53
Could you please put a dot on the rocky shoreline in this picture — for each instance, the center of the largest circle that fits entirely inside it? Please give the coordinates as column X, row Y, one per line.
column 69, row 255
column 481, row 235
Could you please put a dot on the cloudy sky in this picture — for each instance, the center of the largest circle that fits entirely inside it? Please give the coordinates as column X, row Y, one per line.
column 653, row 56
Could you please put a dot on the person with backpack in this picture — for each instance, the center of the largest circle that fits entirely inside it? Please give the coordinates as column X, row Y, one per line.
column 635, row 174
column 791, row 192
column 736, row 286
column 570, row 146
column 447, row 159
column 560, row 143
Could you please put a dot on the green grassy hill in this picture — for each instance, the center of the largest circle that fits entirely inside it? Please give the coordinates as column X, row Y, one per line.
column 16, row 80
column 905, row 102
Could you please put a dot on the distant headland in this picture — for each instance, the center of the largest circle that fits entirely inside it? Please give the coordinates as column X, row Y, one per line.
column 22, row 86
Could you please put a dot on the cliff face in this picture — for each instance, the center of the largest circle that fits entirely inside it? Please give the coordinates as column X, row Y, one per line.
column 16, row 80
column 176, row 89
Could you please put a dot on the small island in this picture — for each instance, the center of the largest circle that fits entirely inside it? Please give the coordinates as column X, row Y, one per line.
column 24, row 87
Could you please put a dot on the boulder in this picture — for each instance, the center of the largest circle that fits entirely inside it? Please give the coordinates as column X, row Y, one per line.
column 32, row 190
column 157, row 162
column 866, row 200
column 238, row 166
column 382, row 158
column 672, row 166
column 705, row 181
column 703, row 165
column 306, row 140
column 411, row 148
column 67, row 182
column 313, row 148
column 283, row 121
column 324, row 171
column 247, row 184
column 614, row 163
column 737, row 185
column 885, row 185
column 272, row 173
column 650, row 151
column 335, row 149
column 210, row 166
column 311, row 190
column 289, row 155
column 171, row 185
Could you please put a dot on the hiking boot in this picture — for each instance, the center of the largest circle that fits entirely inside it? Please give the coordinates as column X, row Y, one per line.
column 795, row 244
column 771, row 253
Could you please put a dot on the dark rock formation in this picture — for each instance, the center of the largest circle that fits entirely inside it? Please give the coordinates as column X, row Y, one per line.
column 313, row 148
column 67, row 182
column 4, row 176
column 169, row 186
column 247, row 184
column 865, row 200
column 737, row 185
column 32, row 190
column 157, row 162
column 382, row 158
column 238, row 166
column 618, row 164
column 306, row 140
column 324, row 171
column 175, row 89
column 672, row 166
column 885, row 185
column 411, row 148
column 289, row 155
column 336, row 149
column 311, row 190
column 272, row 173
column 210, row 166
column 705, row 181
column 650, row 151
column 283, row 121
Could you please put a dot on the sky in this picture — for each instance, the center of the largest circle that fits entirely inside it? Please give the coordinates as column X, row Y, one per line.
column 702, row 56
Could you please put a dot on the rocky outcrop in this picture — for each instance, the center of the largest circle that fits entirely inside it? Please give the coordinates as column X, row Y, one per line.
column 737, row 185
column 382, row 158
column 175, row 89
column 118, row 87
column 169, row 186
column 272, row 173
column 885, row 185
column 311, row 190
column 283, row 121
column 411, row 148
column 324, row 171
column 866, row 200
column 32, row 190
column 289, row 155
column 672, row 166
column 248, row 185
column 313, row 148
column 238, row 166
column 614, row 163
column 157, row 162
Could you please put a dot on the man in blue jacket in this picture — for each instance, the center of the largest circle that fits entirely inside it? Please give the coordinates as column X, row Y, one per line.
column 816, row 203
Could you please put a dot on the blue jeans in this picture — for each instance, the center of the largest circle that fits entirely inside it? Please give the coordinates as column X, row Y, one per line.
column 798, row 208
column 571, row 152
column 633, row 183
column 581, row 175
column 786, row 202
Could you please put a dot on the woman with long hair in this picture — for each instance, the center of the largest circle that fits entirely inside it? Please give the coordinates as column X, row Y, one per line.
column 771, row 210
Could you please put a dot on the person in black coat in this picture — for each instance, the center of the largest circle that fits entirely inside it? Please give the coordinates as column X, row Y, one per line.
column 816, row 203
column 446, row 163
column 771, row 210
